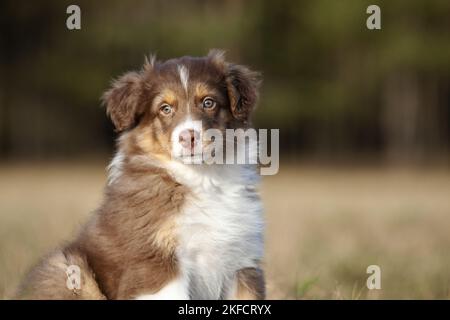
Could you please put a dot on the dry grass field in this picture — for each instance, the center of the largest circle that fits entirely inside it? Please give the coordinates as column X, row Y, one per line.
column 324, row 226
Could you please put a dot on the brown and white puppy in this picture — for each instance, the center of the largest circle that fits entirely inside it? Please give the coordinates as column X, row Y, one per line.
column 167, row 229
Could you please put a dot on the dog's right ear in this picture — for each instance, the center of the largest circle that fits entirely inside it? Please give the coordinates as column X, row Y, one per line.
column 123, row 100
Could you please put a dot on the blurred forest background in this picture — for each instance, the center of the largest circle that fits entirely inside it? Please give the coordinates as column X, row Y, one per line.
column 364, row 119
column 332, row 86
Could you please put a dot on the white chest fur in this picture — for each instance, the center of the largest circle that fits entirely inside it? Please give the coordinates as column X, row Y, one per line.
column 220, row 228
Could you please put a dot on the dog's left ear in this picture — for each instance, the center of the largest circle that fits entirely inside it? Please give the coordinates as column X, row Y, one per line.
column 243, row 86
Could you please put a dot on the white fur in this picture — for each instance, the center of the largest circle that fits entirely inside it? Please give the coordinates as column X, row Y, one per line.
column 184, row 76
column 115, row 167
column 220, row 228
column 175, row 290
column 183, row 72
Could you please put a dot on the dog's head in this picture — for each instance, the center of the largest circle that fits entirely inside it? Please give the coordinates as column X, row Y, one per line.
column 167, row 105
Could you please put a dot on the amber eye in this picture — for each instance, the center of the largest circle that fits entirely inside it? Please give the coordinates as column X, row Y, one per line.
column 166, row 109
column 208, row 103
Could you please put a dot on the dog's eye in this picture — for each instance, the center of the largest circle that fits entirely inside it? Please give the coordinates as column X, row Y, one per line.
column 166, row 109
column 208, row 103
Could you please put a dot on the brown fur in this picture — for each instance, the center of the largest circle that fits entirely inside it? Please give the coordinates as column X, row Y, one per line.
column 128, row 246
column 48, row 279
column 250, row 285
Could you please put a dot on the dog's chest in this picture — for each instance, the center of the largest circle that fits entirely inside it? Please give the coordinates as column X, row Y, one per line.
column 220, row 232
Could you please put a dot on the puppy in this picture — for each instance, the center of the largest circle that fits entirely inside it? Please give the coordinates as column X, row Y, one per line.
column 168, row 229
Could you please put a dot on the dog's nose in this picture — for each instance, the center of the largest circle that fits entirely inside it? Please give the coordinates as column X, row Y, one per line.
column 188, row 138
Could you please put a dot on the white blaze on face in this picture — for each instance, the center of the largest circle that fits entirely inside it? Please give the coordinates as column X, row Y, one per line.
column 184, row 76
column 178, row 151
